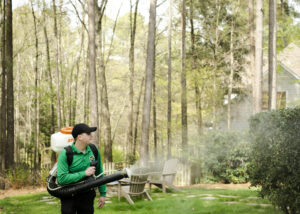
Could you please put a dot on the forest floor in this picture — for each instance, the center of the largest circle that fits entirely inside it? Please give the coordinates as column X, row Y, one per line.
column 30, row 190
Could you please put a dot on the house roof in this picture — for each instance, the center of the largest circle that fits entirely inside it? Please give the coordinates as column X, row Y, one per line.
column 289, row 59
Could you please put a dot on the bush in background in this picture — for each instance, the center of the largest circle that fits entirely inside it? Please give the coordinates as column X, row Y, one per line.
column 225, row 156
column 275, row 157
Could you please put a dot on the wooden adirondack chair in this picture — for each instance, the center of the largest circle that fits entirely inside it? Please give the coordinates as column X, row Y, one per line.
column 135, row 187
column 166, row 177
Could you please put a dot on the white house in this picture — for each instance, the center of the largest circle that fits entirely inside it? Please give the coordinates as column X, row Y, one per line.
column 288, row 90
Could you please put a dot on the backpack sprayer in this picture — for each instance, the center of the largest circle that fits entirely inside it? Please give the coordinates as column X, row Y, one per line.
column 59, row 141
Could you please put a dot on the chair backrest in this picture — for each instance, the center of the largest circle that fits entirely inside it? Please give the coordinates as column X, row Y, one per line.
column 137, row 183
column 170, row 169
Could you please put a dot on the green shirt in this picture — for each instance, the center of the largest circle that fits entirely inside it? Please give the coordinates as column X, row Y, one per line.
column 81, row 161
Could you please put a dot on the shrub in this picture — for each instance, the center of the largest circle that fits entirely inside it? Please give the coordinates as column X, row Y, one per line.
column 225, row 155
column 275, row 157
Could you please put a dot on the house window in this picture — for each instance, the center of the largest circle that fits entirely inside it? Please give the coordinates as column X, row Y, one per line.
column 280, row 102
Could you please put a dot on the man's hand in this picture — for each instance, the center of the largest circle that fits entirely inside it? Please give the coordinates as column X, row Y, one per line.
column 90, row 171
column 101, row 202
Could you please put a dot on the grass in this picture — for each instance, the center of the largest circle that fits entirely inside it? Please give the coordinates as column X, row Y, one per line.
column 196, row 200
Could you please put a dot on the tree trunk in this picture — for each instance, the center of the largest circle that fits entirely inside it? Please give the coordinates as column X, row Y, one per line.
column 58, row 107
column 259, row 55
column 93, row 103
column 230, row 79
column 154, row 114
column 9, row 151
column 74, row 103
column 216, row 47
column 105, row 113
column 169, row 124
column 137, row 118
column 106, row 119
column 230, row 85
column 129, row 138
column 52, row 96
column 17, row 110
column 194, row 67
column 144, row 149
column 36, row 94
column 272, row 55
column 252, row 51
column 184, row 125
column 3, row 91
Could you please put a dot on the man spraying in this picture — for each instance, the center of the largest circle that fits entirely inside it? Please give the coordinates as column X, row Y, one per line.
column 77, row 162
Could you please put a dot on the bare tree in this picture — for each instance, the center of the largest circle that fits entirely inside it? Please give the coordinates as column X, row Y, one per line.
column 184, row 128
column 50, row 79
column 272, row 55
column 36, row 93
column 58, row 107
column 144, row 149
column 137, row 117
column 169, row 124
column 154, row 118
column 129, row 138
column 252, row 51
column 9, row 149
column 93, row 104
column 3, row 136
column 230, row 85
column 259, row 55
column 194, row 66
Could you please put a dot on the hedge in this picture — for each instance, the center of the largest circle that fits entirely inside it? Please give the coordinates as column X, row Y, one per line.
column 275, row 157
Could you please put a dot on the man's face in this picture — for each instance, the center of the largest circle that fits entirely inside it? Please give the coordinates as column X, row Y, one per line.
column 85, row 137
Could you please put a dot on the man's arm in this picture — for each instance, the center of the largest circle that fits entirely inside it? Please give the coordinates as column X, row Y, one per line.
column 64, row 176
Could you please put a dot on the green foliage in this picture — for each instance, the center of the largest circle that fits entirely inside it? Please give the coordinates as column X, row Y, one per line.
column 225, row 156
column 275, row 157
column 118, row 156
column 19, row 177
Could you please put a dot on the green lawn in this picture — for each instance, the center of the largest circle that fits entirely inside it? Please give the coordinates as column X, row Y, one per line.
column 197, row 200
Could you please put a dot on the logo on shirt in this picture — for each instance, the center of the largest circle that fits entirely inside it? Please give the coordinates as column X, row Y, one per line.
column 92, row 158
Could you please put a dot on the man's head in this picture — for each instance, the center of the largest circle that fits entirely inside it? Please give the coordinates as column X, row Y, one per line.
column 82, row 129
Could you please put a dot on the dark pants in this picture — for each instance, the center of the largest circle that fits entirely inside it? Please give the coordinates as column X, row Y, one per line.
column 82, row 203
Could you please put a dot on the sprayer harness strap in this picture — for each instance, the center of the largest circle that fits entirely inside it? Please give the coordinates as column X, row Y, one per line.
column 70, row 153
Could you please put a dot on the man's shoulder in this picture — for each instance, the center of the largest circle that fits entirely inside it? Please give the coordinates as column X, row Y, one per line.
column 62, row 154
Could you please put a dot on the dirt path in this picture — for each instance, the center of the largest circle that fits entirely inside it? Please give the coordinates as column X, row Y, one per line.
column 14, row 192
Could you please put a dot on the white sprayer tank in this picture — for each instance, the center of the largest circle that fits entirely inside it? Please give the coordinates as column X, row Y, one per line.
column 61, row 139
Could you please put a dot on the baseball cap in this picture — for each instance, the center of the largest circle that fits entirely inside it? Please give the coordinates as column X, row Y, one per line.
column 82, row 128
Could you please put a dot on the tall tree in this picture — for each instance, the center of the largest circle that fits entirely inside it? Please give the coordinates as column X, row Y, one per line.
column 129, row 138
column 58, row 107
column 154, row 111
column 198, row 101
column 9, row 149
column 259, row 55
column 50, row 79
column 93, row 104
column 144, row 149
column 169, row 124
column 252, row 51
column 36, row 94
column 184, row 125
column 272, row 55
column 3, row 136
column 105, row 113
column 137, row 113
column 230, row 85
